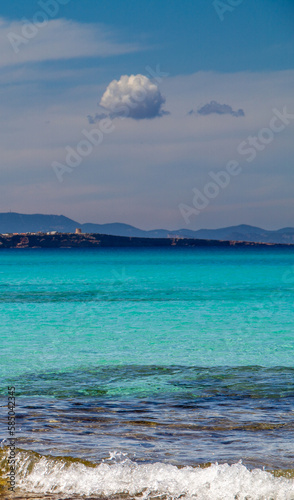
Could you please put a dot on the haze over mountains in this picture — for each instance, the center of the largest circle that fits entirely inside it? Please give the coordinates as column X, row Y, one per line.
column 12, row 222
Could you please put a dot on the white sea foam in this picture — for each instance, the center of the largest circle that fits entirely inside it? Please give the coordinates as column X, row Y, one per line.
column 216, row 482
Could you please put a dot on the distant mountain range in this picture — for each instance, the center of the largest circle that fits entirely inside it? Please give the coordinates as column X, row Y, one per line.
column 12, row 222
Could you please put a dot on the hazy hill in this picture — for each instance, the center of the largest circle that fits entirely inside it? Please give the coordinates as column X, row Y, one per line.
column 12, row 222
column 243, row 232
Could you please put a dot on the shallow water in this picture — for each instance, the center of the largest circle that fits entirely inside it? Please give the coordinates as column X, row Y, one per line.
column 157, row 358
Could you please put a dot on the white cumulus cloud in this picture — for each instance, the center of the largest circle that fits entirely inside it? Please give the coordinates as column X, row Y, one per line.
column 134, row 96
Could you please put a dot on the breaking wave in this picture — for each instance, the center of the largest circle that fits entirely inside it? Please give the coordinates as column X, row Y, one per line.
column 119, row 477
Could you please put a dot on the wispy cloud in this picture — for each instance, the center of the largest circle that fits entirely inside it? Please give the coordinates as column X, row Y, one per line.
column 22, row 43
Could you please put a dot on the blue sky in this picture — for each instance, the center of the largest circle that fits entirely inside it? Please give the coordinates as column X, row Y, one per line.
column 161, row 165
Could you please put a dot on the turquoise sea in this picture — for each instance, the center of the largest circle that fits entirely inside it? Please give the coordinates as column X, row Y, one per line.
column 149, row 373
